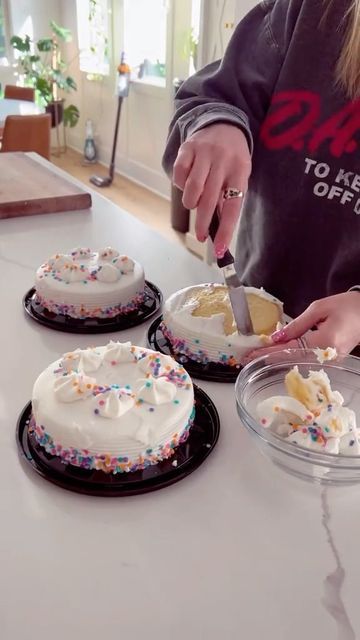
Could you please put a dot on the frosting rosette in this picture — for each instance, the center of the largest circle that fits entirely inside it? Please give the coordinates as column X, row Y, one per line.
column 114, row 403
column 108, row 273
column 117, row 352
column 108, row 253
column 86, row 360
column 73, row 387
column 157, row 391
column 81, row 253
column 125, row 264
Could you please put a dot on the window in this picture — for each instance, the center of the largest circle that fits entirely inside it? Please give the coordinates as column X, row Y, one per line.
column 145, row 27
column 3, row 33
column 194, row 36
column 93, row 35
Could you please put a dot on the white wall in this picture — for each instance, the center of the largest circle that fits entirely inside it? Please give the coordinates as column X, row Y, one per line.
column 33, row 16
column 30, row 17
column 220, row 18
column 242, row 7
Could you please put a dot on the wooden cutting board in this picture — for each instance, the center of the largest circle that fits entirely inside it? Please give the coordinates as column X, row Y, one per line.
column 27, row 187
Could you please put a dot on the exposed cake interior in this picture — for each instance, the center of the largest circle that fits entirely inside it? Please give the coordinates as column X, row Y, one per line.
column 264, row 313
column 198, row 322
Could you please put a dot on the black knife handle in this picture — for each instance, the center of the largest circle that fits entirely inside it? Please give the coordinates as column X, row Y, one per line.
column 213, row 229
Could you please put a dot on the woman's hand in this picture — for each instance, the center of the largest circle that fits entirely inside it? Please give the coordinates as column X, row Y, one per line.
column 337, row 322
column 211, row 160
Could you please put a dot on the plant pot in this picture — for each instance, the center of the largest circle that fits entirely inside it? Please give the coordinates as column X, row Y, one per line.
column 56, row 110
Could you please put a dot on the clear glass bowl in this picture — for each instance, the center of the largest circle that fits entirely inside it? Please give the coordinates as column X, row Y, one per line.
column 264, row 377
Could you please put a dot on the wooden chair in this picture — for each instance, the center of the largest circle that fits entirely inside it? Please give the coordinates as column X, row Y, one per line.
column 19, row 93
column 27, row 133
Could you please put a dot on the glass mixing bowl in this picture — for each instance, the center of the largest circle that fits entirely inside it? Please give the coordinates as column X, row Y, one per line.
column 264, row 377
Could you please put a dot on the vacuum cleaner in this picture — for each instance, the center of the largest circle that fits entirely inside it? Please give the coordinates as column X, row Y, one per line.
column 123, row 84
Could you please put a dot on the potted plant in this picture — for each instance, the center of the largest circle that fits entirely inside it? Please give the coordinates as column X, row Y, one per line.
column 43, row 68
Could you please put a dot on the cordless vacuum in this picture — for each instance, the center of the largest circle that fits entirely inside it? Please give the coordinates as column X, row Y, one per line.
column 123, row 84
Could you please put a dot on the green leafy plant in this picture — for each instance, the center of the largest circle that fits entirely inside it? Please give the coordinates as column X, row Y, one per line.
column 43, row 67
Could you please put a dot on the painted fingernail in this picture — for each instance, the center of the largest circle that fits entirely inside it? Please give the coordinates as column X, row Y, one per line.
column 220, row 250
column 279, row 336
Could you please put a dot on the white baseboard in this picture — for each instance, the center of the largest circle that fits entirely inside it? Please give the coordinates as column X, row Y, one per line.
column 135, row 171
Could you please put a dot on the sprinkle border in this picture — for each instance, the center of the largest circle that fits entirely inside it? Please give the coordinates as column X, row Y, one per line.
column 82, row 312
column 180, row 346
column 106, row 462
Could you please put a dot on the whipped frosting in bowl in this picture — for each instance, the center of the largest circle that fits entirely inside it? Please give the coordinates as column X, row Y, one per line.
column 302, row 407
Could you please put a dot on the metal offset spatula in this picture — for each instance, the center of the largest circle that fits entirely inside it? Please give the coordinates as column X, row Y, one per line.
column 236, row 289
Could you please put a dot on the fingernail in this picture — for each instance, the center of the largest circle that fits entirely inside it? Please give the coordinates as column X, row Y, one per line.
column 220, row 250
column 279, row 336
column 203, row 238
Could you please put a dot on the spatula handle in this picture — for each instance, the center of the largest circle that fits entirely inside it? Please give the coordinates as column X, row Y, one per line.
column 213, row 229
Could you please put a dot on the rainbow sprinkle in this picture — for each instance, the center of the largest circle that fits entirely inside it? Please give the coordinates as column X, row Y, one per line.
column 106, row 462
column 180, row 346
column 81, row 312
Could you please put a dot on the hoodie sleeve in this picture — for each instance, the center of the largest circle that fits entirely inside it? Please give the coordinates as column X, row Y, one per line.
column 238, row 89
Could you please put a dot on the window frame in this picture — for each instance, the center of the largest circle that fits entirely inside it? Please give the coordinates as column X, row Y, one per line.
column 9, row 57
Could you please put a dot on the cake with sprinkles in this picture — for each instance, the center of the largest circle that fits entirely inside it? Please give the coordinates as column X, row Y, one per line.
column 116, row 408
column 198, row 322
column 90, row 284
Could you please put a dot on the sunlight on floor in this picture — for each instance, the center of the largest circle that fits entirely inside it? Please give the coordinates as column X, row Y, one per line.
column 145, row 205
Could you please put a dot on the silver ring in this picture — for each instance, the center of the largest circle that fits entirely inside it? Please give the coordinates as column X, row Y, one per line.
column 302, row 343
column 232, row 192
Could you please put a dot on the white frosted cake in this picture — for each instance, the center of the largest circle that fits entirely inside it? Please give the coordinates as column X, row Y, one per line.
column 115, row 408
column 199, row 323
column 90, row 284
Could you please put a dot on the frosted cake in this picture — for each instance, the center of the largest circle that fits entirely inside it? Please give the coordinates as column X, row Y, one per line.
column 199, row 323
column 90, row 284
column 115, row 408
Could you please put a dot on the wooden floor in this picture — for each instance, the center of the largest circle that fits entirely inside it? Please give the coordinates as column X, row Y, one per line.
column 140, row 202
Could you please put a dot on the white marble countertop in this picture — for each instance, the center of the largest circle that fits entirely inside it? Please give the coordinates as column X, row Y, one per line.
column 239, row 549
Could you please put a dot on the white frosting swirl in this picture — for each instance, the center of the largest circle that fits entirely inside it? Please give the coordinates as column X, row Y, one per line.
column 108, row 273
column 86, row 360
column 72, row 272
column 81, row 253
column 125, row 264
column 156, row 362
column 279, row 409
column 350, row 444
column 73, row 387
column 108, row 253
column 336, row 420
column 118, row 352
column 157, row 391
column 59, row 260
column 114, row 403
column 324, row 355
